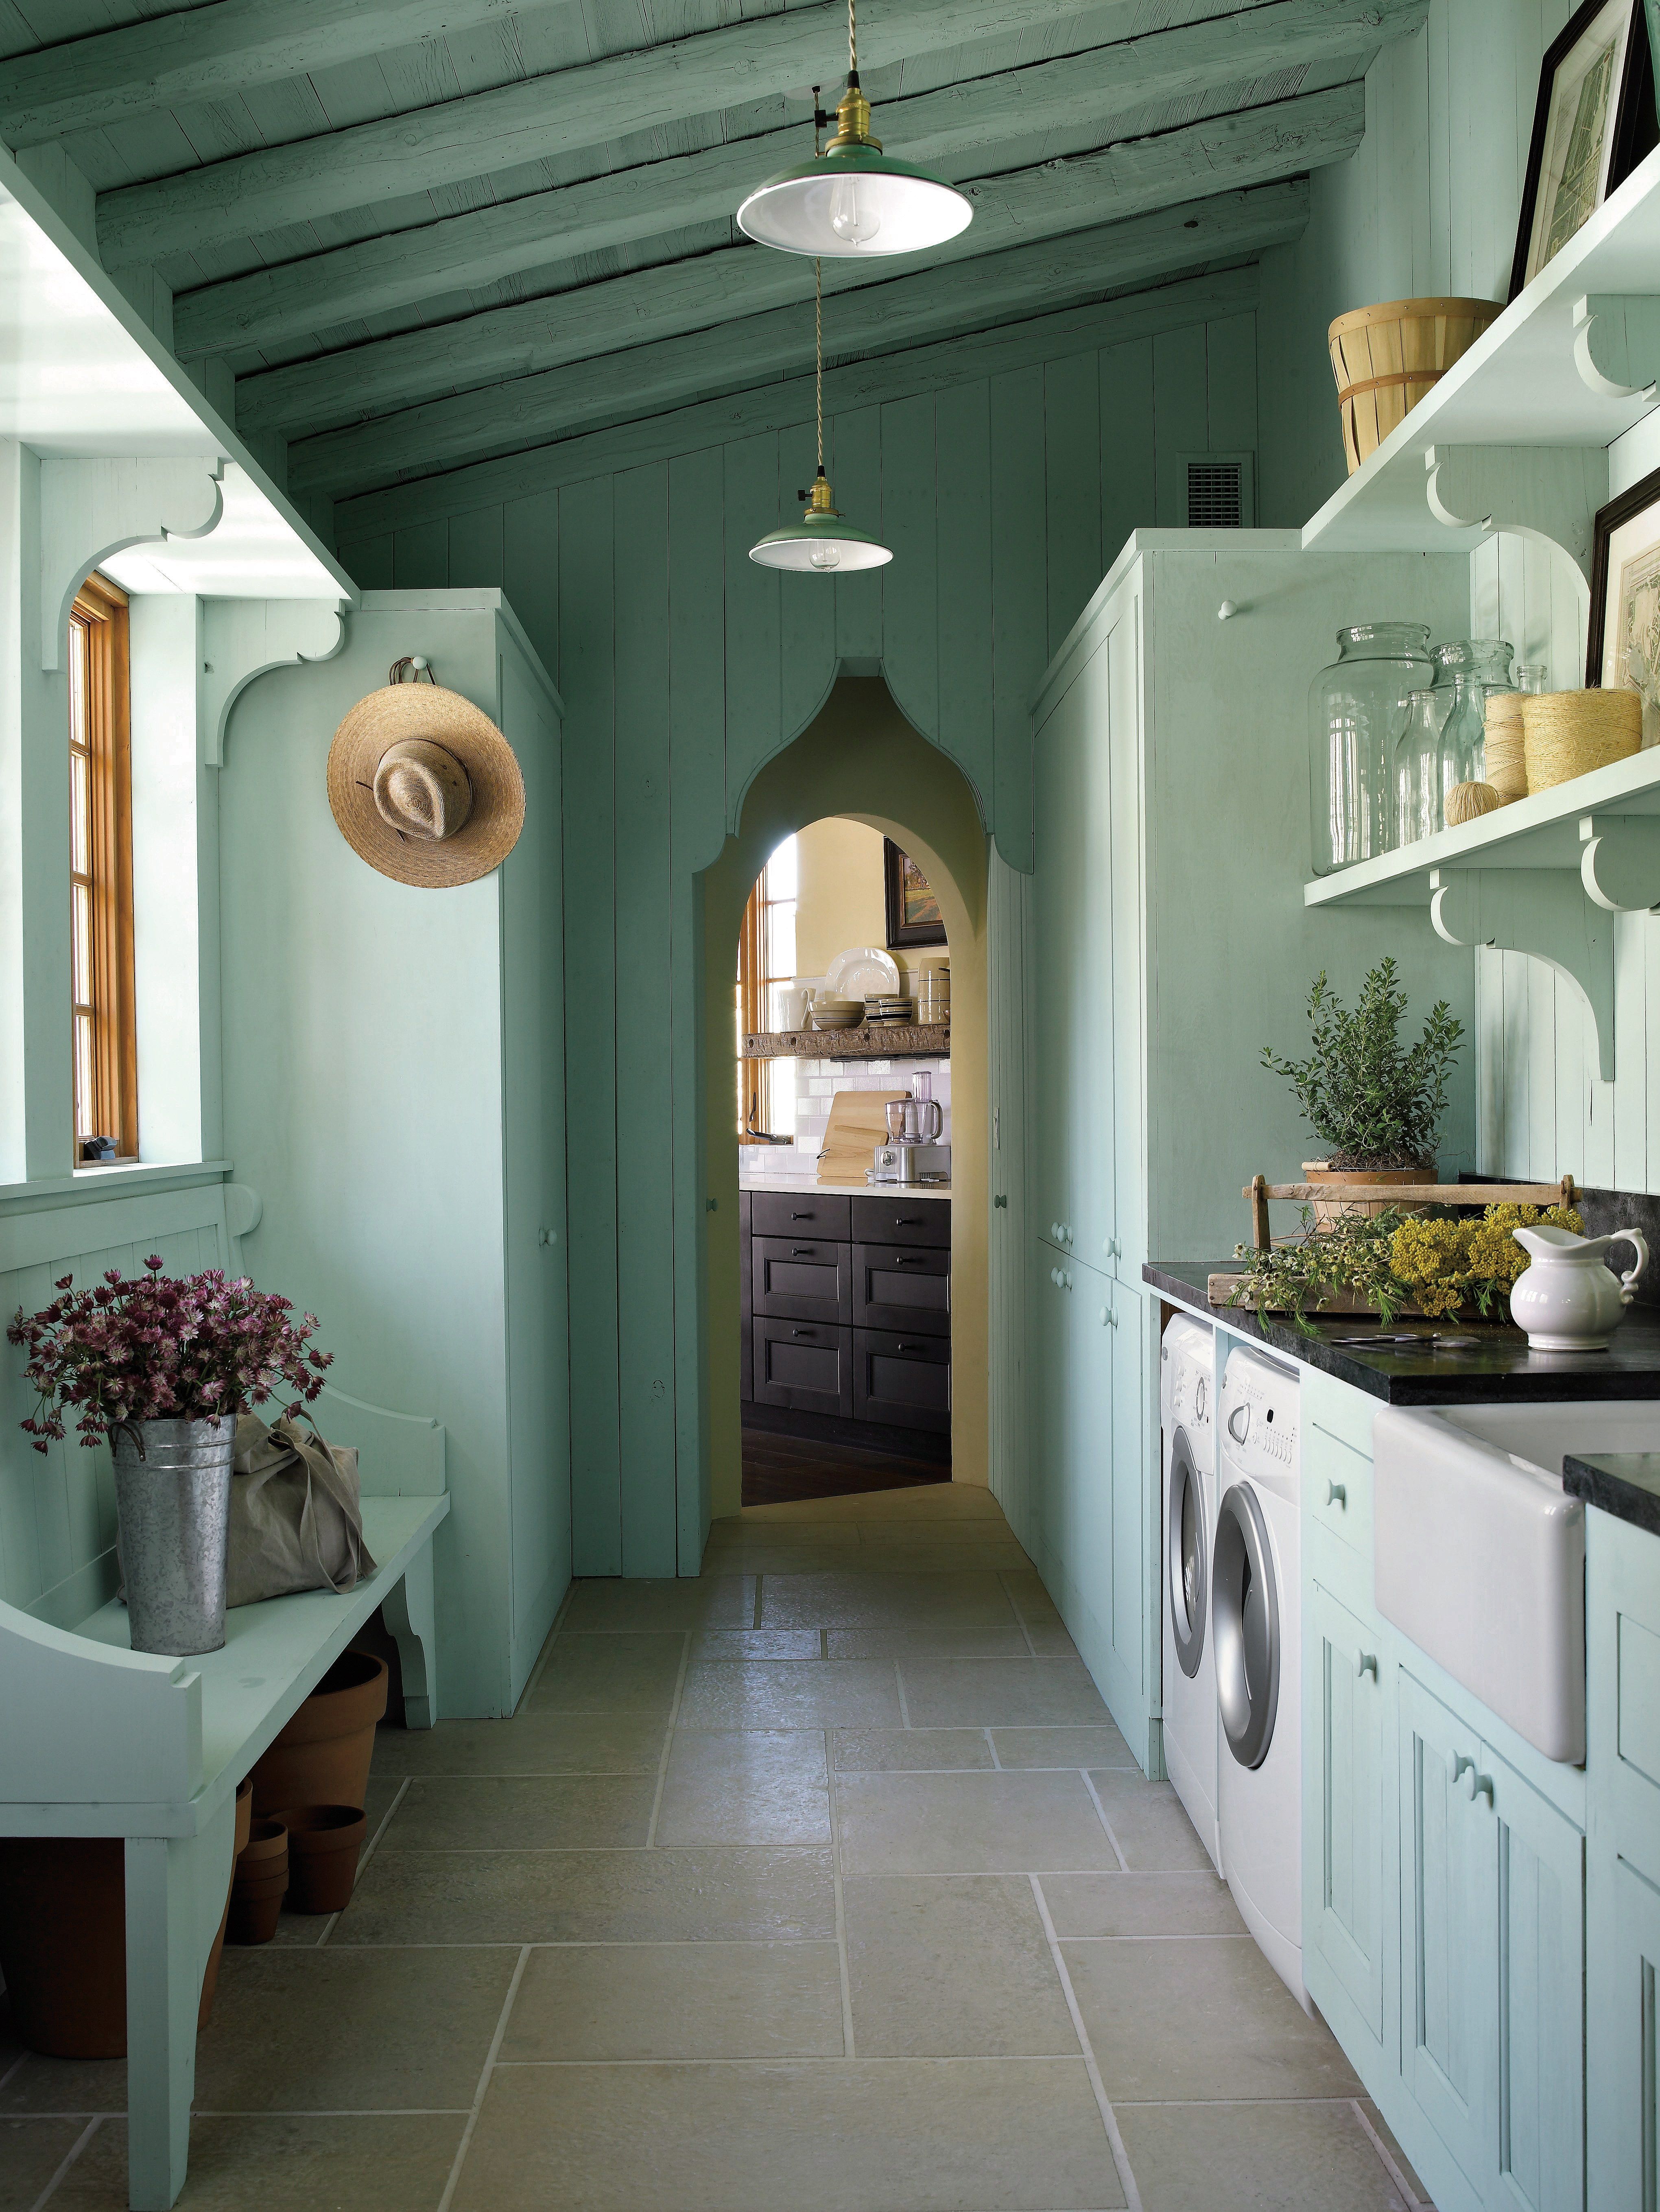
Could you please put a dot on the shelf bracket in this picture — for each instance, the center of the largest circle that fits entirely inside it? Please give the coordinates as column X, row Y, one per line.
column 245, row 638
column 92, row 508
column 1544, row 912
column 1620, row 861
column 1616, row 344
column 1550, row 493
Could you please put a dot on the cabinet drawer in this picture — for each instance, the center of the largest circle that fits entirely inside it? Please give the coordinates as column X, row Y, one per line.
column 896, row 1288
column 800, row 1213
column 803, row 1365
column 1339, row 1482
column 902, row 1378
column 801, row 1279
column 902, row 1220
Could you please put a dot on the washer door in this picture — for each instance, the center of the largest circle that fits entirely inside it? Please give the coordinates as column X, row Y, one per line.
column 1245, row 1624
column 1187, row 1549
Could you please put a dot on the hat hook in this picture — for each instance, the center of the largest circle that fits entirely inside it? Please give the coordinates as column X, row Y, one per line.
column 416, row 663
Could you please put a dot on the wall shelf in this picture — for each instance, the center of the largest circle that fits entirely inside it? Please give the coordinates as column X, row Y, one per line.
column 1545, row 875
column 918, row 1041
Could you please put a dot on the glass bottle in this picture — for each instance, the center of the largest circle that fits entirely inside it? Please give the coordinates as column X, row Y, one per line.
column 1357, row 711
column 1421, row 778
column 1470, row 668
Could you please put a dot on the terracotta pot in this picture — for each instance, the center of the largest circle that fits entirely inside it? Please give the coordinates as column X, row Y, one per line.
column 244, row 1822
column 64, row 1943
column 322, row 1757
column 259, row 1883
column 1328, row 1210
column 323, row 1842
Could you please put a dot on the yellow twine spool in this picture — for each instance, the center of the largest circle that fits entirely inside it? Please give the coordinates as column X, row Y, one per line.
column 1568, row 733
column 1466, row 800
column 1507, row 767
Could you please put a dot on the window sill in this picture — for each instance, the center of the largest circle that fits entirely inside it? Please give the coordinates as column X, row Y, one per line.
column 115, row 1179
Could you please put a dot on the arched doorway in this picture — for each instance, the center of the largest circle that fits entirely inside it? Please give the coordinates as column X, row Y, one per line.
column 858, row 759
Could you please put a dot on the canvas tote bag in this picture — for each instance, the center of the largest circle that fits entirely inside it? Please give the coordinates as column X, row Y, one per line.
column 295, row 1522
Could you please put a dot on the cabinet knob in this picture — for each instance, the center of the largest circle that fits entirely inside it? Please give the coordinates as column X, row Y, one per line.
column 1478, row 1785
column 1456, row 1763
column 1336, row 1494
column 1365, row 1663
column 1054, row 1232
column 1065, row 1277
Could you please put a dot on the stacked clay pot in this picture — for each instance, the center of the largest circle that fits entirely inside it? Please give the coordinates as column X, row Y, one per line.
column 259, row 1884
column 323, row 1842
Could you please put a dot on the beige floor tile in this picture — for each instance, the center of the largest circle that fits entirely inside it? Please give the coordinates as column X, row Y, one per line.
column 540, row 1742
column 1000, row 2135
column 999, row 1692
column 60, row 2085
column 1393, row 2147
column 1049, row 1640
column 948, row 1502
column 721, row 1645
column 943, row 1968
column 1004, row 1643
column 870, row 1599
column 791, row 1694
column 745, row 1787
column 530, row 1813
column 1030, row 1600
column 366, row 2163
column 31, row 2152
column 1255, row 2158
column 937, row 1557
column 630, row 1672
column 1148, row 1818
column 591, row 1897
column 726, row 1601
column 787, row 1555
column 727, row 1537
column 967, row 1824
column 679, row 2000
column 1063, row 1747
column 898, row 1750
column 1179, row 1904
column 1206, row 2018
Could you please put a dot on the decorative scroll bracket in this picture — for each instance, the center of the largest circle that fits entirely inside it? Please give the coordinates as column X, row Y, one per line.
column 1551, row 493
column 90, row 510
column 1544, row 912
column 1616, row 344
column 245, row 638
column 1620, row 861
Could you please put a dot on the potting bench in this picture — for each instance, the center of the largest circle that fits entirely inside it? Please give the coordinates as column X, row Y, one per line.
column 98, row 1740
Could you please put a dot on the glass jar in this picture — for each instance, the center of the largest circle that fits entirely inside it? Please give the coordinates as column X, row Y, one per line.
column 1487, row 658
column 1421, row 780
column 1532, row 678
column 1357, row 711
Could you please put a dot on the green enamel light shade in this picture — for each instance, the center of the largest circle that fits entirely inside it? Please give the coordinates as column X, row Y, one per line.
column 821, row 542
column 854, row 201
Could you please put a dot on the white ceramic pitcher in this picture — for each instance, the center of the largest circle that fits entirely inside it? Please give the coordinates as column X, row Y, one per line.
column 1567, row 1300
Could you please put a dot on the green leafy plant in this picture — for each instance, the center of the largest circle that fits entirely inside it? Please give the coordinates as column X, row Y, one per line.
column 1375, row 1102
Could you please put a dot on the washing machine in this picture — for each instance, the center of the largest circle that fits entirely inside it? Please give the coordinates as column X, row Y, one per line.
column 1186, row 1359
column 1256, row 1635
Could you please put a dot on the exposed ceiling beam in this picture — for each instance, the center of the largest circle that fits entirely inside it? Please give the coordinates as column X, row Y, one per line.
column 955, row 129
column 456, row 140
column 213, row 53
column 1253, row 147
column 587, row 394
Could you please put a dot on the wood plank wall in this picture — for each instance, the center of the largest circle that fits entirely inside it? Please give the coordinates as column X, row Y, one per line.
column 683, row 667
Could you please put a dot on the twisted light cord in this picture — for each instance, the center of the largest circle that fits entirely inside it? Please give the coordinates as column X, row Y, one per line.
column 819, row 352
column 852, row 39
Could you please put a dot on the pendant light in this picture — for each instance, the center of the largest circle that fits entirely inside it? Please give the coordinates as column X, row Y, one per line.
column 853, row 199
column 821, row 540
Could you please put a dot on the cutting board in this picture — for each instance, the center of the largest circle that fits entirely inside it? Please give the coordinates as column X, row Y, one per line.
column 858, row 1124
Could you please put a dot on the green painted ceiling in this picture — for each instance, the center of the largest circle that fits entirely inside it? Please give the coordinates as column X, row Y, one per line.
column 420, row 232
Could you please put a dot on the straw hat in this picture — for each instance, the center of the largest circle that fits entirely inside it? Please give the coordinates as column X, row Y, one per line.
column 424, row 785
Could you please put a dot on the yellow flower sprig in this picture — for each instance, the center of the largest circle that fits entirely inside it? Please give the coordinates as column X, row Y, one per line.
column 1446, row 1264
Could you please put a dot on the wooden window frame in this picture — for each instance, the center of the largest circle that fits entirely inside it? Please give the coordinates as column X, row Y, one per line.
column 99, row 613
column 755, row 1088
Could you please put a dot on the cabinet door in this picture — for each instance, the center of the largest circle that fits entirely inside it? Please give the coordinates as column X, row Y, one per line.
column 1541, row 1995
column 1625, row 2145
column 806, row 1364
column 1129, row 1232
column 796, row 1279
column 1054, row 1037
column 1343, row 1833
column 1087, row 1547
column 1448, row 1932
column 902, row 1378
column 1134, row 1486
column 1090, row 1108
column 1048, row 1362
column 896, row 1288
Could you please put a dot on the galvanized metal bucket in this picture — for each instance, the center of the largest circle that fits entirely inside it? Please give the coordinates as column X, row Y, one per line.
column 173, row 1502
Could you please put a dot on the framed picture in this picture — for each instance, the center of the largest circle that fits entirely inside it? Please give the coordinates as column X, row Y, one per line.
column 1624, row 652
column 914, row 916
column 1594, row 121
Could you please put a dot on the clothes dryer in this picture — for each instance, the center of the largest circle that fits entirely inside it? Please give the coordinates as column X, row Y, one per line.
column 1256, row 1631
column 1186, row 1359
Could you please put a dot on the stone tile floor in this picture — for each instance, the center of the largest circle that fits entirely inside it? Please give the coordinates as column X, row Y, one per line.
column 822, row 1884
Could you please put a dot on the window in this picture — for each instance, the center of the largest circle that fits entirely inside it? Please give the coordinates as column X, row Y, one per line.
column 766, row 956
column 100, row 871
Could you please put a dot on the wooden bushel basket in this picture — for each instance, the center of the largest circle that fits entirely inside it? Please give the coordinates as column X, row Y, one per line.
column 1386, row 358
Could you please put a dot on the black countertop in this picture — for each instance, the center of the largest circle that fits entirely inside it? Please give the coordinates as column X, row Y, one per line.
column 1625, row 1484
column 1491, row 1364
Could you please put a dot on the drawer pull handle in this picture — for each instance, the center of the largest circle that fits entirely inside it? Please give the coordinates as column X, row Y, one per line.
column 807, row 1216
column 909, row 1221
column 804, row 1332
column 802, row 1251
column 1337, row 1494
column 913, row 1259
column 1365, row 1663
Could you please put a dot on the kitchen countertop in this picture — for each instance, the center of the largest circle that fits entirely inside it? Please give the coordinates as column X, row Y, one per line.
column 806, row 1179
column 1624, row 1484
column 1497, row 1366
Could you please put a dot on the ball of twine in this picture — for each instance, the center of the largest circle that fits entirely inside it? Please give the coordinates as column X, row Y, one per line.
column 1568, row 733
column 1466, row 800
column 1507, row 768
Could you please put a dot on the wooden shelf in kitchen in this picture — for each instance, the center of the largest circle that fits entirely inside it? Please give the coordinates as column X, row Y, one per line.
column 898, row 1041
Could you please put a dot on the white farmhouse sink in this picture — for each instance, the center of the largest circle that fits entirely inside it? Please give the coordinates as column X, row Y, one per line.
column 1480, row 1555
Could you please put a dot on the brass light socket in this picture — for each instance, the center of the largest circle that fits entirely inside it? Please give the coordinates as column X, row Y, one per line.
column 851, row 122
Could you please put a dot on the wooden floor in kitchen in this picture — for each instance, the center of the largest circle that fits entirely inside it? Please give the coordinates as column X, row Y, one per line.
column 780, row 1470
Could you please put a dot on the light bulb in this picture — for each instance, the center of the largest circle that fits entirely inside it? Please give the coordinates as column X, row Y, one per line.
column 854, row 223
column 826, row 556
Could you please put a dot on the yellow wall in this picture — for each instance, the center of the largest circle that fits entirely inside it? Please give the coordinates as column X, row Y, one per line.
column 841, row 899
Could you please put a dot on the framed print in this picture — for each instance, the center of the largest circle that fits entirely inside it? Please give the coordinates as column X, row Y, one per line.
column 914, row 916
column 1624, row 652
column 1594, row 122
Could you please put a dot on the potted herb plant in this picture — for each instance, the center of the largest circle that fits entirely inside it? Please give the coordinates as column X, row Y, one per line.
column 161, row 1366
column 1378, row 1104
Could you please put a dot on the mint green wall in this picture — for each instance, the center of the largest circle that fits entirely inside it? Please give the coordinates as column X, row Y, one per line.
column 685, row 667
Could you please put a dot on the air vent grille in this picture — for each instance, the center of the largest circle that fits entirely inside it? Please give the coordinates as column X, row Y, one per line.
column 1214, row 496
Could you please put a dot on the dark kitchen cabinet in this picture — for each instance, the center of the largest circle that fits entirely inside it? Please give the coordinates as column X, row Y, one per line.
column 902, row 1378
column 795, row 1279
column 898, row 1287
column 803, row 1365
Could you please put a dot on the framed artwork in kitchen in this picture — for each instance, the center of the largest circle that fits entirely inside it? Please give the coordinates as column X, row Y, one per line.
column 914, row 916
column 1623, row 652
column 1594, row 122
